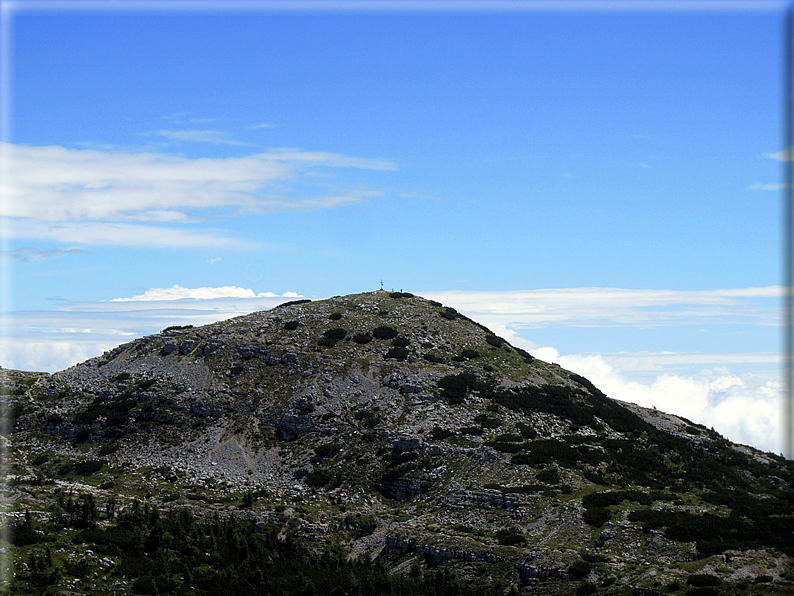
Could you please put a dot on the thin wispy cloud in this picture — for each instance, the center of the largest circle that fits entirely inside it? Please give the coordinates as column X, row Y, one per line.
column 760, row 186
column 217, row 137
column 586, row 307
column 29, row 254
column 102, row 197
column 120, row 234
column 264, row 125
column 785, row 155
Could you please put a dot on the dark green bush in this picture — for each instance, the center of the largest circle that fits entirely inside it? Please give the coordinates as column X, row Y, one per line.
column 703, row 579
column 470, row 354
column 401, row 295
column 549, row 475
column 291, row 303
column 471, row 430
column 495, row 341
column 449, row 313
column 360, row 524
column 708, row 591
column 581, row 569
column 487, row 422
column 400, row 342
column 596, row 516
column 384, row 332
column 439, row 433
column 290, row 325
column 88, row 467
column 362, row 338
column 337, row 333
column 397, row 353
column 431, row 357
column 509, row 537
column 326, row 450
column 335, row 316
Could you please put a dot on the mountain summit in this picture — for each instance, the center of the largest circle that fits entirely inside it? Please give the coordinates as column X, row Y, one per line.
column 382, row 426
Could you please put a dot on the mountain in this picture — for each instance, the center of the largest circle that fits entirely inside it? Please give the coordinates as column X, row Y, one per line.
column 373, row 443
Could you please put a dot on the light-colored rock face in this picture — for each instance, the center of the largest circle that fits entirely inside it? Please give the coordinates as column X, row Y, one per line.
column 455, row 444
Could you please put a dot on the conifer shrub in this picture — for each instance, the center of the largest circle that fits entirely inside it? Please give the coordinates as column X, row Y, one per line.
column 435, row 303
column 486, row 421
column 495, row 341
column 472, row 430
column 331, row 337
column 362, row 338
column 434, row 358
column 596, row 516
column 510, row 537
column 397, row 353
column 449, row 313
column 88, row 467
column 580, row 569
column 440, row 433
column 703, row 579
column 290, row 325
column 335, row 316
column 549, row 475
column 291, row 303
column 401, row 295
column 384, row 332
column 400, row 342
column 470, row 354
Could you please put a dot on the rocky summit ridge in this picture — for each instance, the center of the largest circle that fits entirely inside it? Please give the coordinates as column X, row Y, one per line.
column 392, row 428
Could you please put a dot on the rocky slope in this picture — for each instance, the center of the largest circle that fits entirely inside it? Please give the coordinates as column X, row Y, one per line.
column 395, row 428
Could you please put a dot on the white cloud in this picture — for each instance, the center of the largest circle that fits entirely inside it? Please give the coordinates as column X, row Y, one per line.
column 217, row 137
column 69, row 187
column 28, row 254
column 744, row 408
column 588, row 307
column 215, row 260
column 179, row 293
column 120, row 234
column 785, row 155
column 759, row 186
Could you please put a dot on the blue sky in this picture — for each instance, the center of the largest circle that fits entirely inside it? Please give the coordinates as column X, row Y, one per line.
column 508, row 161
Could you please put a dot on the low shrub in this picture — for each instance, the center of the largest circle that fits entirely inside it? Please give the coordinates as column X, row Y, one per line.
column 337, row 333
column 495, row 341
column 596, row 516
column 290, row 325
column 449, row 313
column 487, row 422
column 549, row 475
column 397, row 353
column 440, row 433
column 472, row 430
column 335, row 316
column 470, row 354
column 401, row 295
column 88, row 467
column 384, row 332
column 703, row 579
column 400, row 342
column 580, row 569
column 509, row 537
column 362, row 338
column 434, row 358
